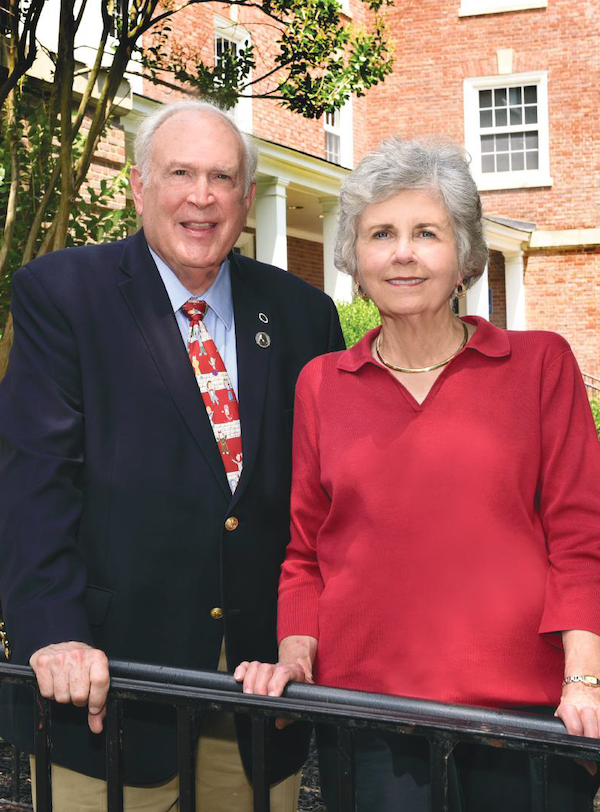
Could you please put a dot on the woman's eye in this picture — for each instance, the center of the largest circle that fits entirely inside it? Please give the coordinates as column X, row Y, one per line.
column 381, row 235
column 426, row 233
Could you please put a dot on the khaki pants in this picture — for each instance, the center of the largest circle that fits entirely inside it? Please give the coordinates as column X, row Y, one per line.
column 221, row 784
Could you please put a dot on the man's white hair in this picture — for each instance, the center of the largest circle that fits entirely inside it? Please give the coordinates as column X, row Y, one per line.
column 148, row 128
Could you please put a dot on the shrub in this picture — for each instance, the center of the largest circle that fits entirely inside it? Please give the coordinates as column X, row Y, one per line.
column 595, row 404
column 356, row 318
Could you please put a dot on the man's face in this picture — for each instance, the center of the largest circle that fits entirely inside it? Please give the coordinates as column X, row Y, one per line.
column 192, row 205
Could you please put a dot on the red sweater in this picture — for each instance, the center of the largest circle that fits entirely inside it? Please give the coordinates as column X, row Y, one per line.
column 436, row 547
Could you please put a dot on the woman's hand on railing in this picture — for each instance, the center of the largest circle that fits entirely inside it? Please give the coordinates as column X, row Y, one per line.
column 296, row 657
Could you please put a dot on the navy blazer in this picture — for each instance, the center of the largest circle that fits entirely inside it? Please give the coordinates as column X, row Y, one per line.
column 113, row 496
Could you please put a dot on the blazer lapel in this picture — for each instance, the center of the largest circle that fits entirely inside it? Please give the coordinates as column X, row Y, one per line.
column 253, row 315
column 149, row 304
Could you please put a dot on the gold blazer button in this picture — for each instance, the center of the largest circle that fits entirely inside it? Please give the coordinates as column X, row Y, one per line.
column 216, row 613
column 231, row 523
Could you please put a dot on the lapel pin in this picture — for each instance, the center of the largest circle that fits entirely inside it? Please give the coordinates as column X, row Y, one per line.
column 263, row 340
column 263, row 318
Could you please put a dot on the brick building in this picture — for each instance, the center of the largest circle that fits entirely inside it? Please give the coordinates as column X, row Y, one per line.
column 516, row 81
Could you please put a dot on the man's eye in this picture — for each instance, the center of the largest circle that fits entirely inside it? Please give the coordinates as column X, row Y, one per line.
column 180, row 173
column 223, row 176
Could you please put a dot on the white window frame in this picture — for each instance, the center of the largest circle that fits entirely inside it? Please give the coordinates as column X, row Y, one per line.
column 236, row 33
column 514, row 179
column 344, row 131
column 470, row 8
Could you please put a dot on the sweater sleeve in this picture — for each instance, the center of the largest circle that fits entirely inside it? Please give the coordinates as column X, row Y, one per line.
column 569, row 499
column 301, row 582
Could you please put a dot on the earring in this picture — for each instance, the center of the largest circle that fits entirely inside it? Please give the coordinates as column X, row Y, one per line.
column 461, row 290
column 359, row 292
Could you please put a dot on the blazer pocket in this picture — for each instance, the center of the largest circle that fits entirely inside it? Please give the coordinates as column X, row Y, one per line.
column 97, row 601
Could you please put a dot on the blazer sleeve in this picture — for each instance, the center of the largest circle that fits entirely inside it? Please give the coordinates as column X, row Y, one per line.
column 569, row 498
column 336, row 337
column 42, row 574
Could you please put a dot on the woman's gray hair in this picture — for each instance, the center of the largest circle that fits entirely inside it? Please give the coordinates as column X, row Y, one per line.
column 439, row 166
column 149, row 126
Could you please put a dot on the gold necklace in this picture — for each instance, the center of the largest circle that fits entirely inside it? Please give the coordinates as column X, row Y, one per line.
column 423, row 369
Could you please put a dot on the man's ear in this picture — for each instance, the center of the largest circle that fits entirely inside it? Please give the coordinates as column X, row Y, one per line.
column 137, row 187
column 249, row 197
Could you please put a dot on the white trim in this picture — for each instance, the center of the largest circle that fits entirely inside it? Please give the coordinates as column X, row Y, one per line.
column 565, row 238
column 469, row 8
column 233, row 31
column 245, row 242
column 507, row 180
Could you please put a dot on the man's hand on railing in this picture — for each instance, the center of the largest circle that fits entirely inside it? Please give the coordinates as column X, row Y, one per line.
column 296, row 657
column 74, row 672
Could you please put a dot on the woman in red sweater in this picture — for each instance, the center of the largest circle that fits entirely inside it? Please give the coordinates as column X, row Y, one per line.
column 445, row 502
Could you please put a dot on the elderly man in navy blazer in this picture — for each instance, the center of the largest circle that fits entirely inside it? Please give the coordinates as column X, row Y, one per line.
column 132, row 526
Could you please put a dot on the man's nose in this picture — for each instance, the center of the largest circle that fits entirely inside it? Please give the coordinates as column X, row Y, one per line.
column 201, row 193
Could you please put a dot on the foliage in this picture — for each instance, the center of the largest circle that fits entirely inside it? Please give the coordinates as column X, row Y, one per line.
column 595, row 404
column 92, row 217
column 321, row 61
column 357, row 318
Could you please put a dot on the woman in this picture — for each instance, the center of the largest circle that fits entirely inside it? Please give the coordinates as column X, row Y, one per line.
column 445, row 505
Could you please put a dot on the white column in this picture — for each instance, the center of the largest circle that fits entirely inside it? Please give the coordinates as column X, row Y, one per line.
column 271, row 222
column 337, row 285
column 478, row 297
column 515, row 291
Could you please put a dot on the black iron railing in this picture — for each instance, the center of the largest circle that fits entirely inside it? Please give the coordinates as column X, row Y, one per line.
column 443, row 725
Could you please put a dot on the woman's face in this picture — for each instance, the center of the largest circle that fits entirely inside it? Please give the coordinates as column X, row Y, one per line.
column 406, row 253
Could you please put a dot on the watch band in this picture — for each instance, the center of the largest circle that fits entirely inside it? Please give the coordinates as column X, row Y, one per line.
column 585, row 679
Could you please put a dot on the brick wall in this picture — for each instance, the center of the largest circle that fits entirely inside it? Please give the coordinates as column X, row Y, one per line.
column 563, row 294
column 496, row 282
column 425, row 94
column 305, row 259
column 108, row 160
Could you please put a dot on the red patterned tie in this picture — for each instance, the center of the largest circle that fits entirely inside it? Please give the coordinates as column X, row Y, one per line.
column 217, row 393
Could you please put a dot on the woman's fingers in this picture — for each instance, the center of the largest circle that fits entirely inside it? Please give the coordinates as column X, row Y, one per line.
column 267, row 679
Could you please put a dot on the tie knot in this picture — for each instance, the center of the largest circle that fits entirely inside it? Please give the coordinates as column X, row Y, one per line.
column 194, row 309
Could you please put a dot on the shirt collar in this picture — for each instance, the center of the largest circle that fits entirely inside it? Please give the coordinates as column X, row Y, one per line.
column 218, row 296
column 488, row 340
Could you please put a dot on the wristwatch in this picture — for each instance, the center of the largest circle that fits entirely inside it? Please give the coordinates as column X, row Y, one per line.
column 586, row 679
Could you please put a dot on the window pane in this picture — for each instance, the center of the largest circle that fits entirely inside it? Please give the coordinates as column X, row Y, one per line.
column 514, row 95
column 502, row 143
column 487, row 163
column 530, row 94
column 502, row 162
column 487, row 143
column 531, row 115
column 516, row 115
column 501, row 118
column 531, row 141
column 485, row 98
column 516, row 142
column 517, row 161
column 500, row 97
column 332, row 147
column 532, row 160
column 486, row 118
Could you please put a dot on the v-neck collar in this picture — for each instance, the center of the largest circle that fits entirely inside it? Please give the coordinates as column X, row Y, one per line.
column 488, row 340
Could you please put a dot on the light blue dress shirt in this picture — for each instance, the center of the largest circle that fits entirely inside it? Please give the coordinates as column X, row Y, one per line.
column 219, row 318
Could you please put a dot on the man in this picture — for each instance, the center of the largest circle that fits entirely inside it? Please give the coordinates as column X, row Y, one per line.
column 126, row 530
